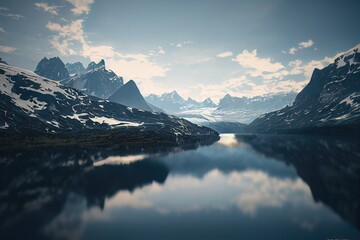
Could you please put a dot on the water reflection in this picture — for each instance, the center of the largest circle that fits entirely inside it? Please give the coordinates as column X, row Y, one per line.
column 329, row 165
column 243, row 186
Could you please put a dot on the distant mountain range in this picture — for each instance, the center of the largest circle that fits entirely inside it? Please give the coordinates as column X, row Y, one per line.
column 229, row 109
column 36, row 108
column 173, row 103
column 330, row 100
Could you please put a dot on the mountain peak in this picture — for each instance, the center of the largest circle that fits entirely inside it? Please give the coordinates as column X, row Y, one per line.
column 93, row 65
column 131, row 83
column 129, row 95
column 52, row 68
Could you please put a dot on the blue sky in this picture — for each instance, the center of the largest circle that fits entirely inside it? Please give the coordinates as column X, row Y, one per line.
column 199, row 48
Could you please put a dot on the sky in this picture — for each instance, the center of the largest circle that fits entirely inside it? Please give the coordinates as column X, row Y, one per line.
column 203, row 48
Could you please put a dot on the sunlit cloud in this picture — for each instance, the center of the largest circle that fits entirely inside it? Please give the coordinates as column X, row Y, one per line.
column 52, row 9
column 139, row 67
column 81, row 6
column 7, row 49
column 252, row 61
column 301, row 45
column 225, row 54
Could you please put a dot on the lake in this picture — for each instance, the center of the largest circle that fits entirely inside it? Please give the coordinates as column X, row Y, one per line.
column 240, row 187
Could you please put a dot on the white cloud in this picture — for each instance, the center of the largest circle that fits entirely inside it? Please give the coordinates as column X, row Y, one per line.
column 47, row 8
column 81, row 6
column 301, row 45
column 225, row 54
column 2, row 30
column 306, row 44
column 246, row 87
column 5, row 12
column 7, row 49
column 292, row 50
column 182, row 44
column 139, row 67
column 252, row 61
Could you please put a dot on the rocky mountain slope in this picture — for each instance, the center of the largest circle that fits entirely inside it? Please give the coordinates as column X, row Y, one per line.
column 330, row 100
column 96, row 81
column 33, row 107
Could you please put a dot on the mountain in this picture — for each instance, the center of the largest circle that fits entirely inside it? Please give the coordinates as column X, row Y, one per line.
column 245, row 110
column 175, row 104
column 3, row 61
column 230, row 109
column 129, row 95
column 76, row 68
column 170, row 102
column 96, row 81
column 207, row 103
column 52, row 68
column 33, row 108
column 330, row 100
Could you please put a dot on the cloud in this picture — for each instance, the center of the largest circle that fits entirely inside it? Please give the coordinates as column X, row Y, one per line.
column 6, row 13
column 307, row 44
column 7, row 49
column 252, row 61
column 182, row 44
column 301, row 45
column 2, row 30
column 81, row 6
column 246, row 87
column 292, row 50
column 225, row 54
column 139, row 67
column 47, row 8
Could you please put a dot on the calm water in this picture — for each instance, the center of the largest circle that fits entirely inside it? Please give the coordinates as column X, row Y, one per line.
column 241, row 187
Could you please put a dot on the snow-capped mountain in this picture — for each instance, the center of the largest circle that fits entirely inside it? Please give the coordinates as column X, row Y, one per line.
column 331, row 99
column 174, row 103
column 76, row 68
column 245, row 110
column 170, row 102
column 52, row 68
column 96, row 81
column 33, row 106
column 207, row 103
column 230, row 109
column 129, row 95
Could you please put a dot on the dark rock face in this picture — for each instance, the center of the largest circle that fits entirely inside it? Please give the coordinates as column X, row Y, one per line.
column 32, row 106
column 96, row 81
column 129, row 95
column 330, row 100
column 52, row 68
column 75, row 68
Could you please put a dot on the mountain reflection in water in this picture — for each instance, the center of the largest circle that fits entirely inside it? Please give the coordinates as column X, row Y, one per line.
column 243, row 186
